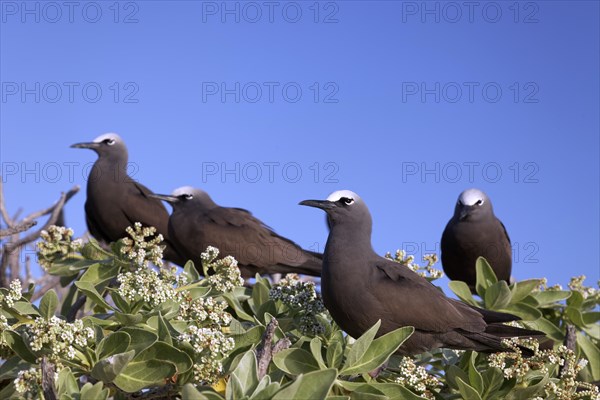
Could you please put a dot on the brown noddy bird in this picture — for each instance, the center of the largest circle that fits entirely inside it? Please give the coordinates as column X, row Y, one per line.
column 116, row 201
column 198, row 222
column 359, row 288
column 474, row 231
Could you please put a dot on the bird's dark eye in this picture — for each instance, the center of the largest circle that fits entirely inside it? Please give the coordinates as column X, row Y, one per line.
column 109, row 142
column 479, row 202
column 187, row 196
column 347, row 200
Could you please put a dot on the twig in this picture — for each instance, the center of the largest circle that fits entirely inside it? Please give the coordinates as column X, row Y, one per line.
column 265, row 351
column 55, row 211
column 17, row 228
column 48, row 380
column 8, row 220
column 75, row 308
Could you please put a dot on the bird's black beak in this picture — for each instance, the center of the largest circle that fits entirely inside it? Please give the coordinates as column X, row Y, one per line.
column 86, row 145
column 322, row 204
column 164, row 197
column 464, row 213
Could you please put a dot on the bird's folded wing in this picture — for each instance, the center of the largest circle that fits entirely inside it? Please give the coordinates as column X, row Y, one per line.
column 138, row 207
column 410, row 300
column 254, row 243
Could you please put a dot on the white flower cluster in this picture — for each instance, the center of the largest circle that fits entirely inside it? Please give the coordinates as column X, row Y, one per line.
column 576, row 284
column 226, row 271
column 5, row 351
column 57, row 243
column 204, row 309
column 302, row 298
column 544, row 286
column 149, row 285
column 416, row 378
column 210, row 346
column 58, row 337
column 143, row 246
column 15, row 291
column 565, row 387
column 28, row 383
column 426, row 271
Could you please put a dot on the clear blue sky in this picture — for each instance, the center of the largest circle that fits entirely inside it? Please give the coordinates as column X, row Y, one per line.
column 405, row 103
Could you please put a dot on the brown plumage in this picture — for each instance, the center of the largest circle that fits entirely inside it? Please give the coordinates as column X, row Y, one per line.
column 198, row 222
column 359, row 287
column 472, row 232
column 116, row 201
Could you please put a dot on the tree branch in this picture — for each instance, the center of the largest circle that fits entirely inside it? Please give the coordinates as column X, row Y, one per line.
column 22, row 227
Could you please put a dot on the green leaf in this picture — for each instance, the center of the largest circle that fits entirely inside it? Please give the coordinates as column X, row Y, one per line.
column 165, row 352
column 575, row 300
column 260, row 293
column 140, row 338
column 143, row 374
column 497, row 296
column 524, row 311
column 163, row 330
column 248, row 338
column 90, row 291
column 453, row 374
column 152, row 366
column 315, row 348
column 475, row 378
column 592, row 353
column 107, row 369
column 268, row 391
column 115, row 343
column 17, row 344
column 493, row 379
column 528, row 392
column 48, row 304
column 360, row 346
column 100, row 274
column 467, row 392
column 394, row 391
column 67, row 385
column 463, row 292
column 120, row 302
column 542, row 324
column 246, row 373
column 128, row 319
column 235, row 304
column 234, row 389
column 522, row 289
column 335, row 351
column 11, row 367
column 551, row 296
column 311, row 386
column 94, row 392
column 591, row 317
column 575, row 316
column 485, row 276
column 190, row 270
column 379, row 351
column 25, row 308
column 295, row 361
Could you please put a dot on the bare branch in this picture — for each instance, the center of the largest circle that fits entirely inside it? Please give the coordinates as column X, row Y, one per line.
column 55, row 211
column 48, row 380
column 22, row 227
column 53, row 207
column 8, row 220
column 265, row 351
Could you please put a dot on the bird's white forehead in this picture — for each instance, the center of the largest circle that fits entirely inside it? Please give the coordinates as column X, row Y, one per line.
column 335, row 196
column 184, row 190
column 470, row 196
column 113, row 136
